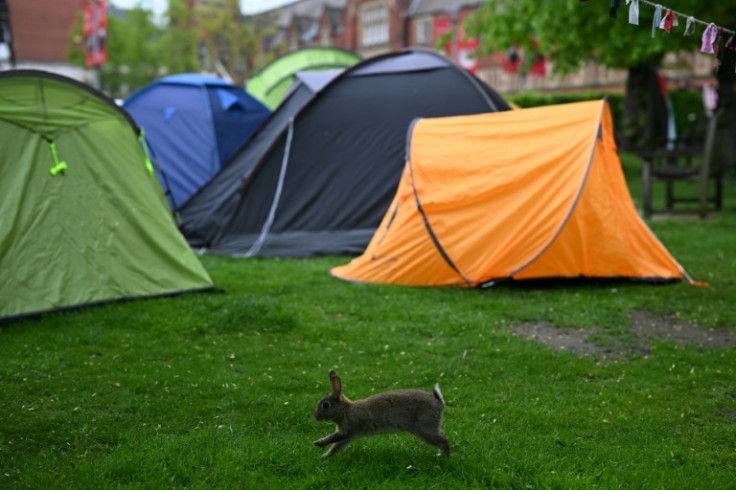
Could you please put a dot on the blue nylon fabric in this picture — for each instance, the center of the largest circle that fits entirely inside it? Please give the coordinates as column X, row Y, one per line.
column 194, row 123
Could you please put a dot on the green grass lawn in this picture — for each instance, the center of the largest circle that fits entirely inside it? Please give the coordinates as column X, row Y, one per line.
column 217, row 390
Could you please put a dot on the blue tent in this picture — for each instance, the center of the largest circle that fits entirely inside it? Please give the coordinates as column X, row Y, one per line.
column 194, row 124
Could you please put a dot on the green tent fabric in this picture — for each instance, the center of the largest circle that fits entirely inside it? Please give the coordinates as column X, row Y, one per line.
column 272, row 82
column 84, row 220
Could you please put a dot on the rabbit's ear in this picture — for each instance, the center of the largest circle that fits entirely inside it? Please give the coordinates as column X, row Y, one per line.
column 336, row 383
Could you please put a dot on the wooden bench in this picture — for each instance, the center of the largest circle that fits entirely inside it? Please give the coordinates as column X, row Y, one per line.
column 693, row 161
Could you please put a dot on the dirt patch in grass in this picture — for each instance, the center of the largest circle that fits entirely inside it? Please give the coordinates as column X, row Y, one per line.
column 645, row 328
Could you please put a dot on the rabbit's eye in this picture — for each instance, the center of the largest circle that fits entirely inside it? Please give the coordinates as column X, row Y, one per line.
column 326, row 405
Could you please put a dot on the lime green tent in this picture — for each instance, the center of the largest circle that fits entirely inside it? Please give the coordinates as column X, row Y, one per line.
column 272, row 82
column 84, row 219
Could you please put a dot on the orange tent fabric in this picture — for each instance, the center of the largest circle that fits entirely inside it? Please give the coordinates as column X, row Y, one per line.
column 526, row 194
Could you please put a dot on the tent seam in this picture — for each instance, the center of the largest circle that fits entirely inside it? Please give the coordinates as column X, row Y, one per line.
column 215, row 147
column 61, row 78
column 598, row 131
column 427, row 225
column 256, row 247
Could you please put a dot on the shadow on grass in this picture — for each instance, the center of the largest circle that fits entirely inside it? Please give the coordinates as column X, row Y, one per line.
column 579, row 282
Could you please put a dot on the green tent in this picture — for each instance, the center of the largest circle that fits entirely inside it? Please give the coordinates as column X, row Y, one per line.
column 84, row 219
column 272, row 82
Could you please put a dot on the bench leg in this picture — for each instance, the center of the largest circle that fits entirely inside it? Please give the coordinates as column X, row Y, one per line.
column 670, row 194
column 703, row 202
column 646, row 180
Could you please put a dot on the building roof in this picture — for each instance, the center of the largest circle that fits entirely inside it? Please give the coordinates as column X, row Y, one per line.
column 307, row 8
column 424, row 7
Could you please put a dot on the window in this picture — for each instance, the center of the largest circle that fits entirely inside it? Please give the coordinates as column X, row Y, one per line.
column 374, row 23
column 423, row 32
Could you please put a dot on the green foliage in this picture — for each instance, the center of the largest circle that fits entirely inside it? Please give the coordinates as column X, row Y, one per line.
column 687, row 104
column 134, row 58
column 535, row 99
column 205, row 38
column 181, row 41
column 217, row 390
column 227, row 39
column 573, row 33
column 135, row 54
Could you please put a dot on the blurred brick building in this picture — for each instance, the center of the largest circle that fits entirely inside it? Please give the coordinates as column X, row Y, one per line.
column 40, row 31
column 370, row 27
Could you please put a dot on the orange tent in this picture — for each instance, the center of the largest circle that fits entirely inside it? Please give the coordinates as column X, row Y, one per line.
column 527, row 194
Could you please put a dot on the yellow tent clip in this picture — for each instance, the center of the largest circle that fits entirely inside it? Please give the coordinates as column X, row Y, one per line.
column 59, row 166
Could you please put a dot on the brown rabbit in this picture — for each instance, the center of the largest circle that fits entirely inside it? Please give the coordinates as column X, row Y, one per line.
column 415, row 411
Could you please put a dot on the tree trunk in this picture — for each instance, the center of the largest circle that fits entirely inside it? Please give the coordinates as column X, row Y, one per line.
column 726, row 143
column 645, row 110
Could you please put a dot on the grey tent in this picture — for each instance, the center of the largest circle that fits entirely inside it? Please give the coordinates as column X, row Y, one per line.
column 320, row 181
column 208, row 210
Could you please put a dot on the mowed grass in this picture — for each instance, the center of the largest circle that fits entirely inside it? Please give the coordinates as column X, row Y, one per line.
column 217, row 390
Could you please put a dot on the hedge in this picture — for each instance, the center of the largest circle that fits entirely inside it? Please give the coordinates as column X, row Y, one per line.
column 688, row 104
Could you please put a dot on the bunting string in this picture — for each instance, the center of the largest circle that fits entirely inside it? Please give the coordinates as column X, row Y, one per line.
column 714, row 37
column 691, row 21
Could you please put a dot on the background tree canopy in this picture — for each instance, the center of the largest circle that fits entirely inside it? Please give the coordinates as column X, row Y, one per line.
column 134, row 57
column 210, row 37
column 574, row 33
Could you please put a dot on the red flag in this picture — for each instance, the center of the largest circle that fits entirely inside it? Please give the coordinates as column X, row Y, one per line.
column 95, row 33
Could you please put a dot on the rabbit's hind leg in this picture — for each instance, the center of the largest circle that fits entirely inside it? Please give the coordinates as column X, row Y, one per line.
column 437, row 439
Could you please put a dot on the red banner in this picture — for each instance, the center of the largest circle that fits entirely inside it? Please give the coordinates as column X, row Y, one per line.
column 95, row 33
column 539, row 66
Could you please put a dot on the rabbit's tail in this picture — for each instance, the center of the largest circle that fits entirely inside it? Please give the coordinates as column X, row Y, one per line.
column 438, row 394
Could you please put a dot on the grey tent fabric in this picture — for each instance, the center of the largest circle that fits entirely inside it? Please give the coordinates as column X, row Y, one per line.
column 417, row 62
column 322, row 182
column 315, row 80
column 209, row 209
